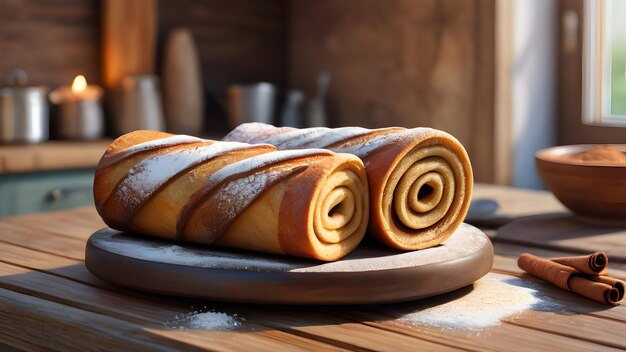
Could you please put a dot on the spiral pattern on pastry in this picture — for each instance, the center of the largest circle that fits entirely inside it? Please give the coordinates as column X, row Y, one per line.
column 310, row 202
column 420, row 179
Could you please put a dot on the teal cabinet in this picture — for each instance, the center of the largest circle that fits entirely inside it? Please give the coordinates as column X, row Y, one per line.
column 23, row 193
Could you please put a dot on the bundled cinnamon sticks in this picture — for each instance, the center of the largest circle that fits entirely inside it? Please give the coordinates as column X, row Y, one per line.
column 585, row 275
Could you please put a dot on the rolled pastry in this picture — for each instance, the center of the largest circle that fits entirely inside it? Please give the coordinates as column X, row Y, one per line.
column 309, row 203
column 420, row 179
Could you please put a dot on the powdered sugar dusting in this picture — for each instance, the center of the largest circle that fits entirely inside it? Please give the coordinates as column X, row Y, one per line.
column 238, row 194
column 254, row 132
column 143, row 179
column 380, row 141
column 161, row 251
column 322, row 137
column 205, row 320
column 340, row 134
column 260, row 161
column 142, row 147
column 293, row 138
column 464, row 242
column 491, row 301
column 290, row 138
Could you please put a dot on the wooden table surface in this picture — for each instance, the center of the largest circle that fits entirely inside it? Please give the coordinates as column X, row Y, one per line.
column 49, row 301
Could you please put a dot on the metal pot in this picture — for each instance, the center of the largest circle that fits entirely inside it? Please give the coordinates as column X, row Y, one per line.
column 138, row 105
column 251, row 103
column 24, row 116
column 78, row 120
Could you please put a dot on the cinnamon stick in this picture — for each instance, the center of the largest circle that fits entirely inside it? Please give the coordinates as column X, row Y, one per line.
column 555, row 273
column 595, row 290
column 598, row 288
column 593, row 264
column 615, row 283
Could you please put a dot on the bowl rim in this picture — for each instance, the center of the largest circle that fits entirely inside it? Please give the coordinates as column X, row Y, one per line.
column 555, row 154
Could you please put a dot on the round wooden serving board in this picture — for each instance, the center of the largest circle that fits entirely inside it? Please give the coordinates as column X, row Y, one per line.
column 370, row 274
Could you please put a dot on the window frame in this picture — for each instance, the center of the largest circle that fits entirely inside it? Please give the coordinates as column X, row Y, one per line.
column 596, row 85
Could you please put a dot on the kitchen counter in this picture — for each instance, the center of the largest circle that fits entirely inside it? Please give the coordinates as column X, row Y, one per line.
column 48, row 300
column 51, row 156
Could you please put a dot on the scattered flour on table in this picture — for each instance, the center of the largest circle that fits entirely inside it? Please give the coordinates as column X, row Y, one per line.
column 205, row 320
column 491, row 300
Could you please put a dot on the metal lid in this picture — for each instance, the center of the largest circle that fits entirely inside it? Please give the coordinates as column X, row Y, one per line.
column 17, row 81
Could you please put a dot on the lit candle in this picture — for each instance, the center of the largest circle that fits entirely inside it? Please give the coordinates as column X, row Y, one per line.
column 79, row 112
column 79, row 85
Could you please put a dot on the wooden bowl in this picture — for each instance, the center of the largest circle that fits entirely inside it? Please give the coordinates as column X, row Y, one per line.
column 592, row 190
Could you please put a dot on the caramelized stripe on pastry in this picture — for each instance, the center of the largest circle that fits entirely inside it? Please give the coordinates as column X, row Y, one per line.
column 422, row 195
column 248, row 177
column 110, row 159
column 319, row 137
column 420, row 179
column 336, row 210
column 234, row 194
column 150, row 174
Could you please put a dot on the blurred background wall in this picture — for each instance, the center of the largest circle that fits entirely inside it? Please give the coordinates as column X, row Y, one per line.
column 409, row 63
column 491, row 72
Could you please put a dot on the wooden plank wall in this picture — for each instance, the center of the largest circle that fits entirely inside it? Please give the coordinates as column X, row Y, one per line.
column 239, row 40
column 53, row 40
column 401, row 62
column 405, row 62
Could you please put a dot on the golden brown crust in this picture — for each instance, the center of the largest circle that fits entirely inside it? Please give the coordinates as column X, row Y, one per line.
column 298, row 209
column 420, row 179
column 384, row 223
column 230, row 194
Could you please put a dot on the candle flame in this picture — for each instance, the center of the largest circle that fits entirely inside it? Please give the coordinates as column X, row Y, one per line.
column 79, row 84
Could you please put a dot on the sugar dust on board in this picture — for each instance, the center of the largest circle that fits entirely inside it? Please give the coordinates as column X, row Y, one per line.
column 205, row 320
column 492, row 300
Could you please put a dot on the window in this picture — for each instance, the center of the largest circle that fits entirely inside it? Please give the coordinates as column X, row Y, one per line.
column 604, row 55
